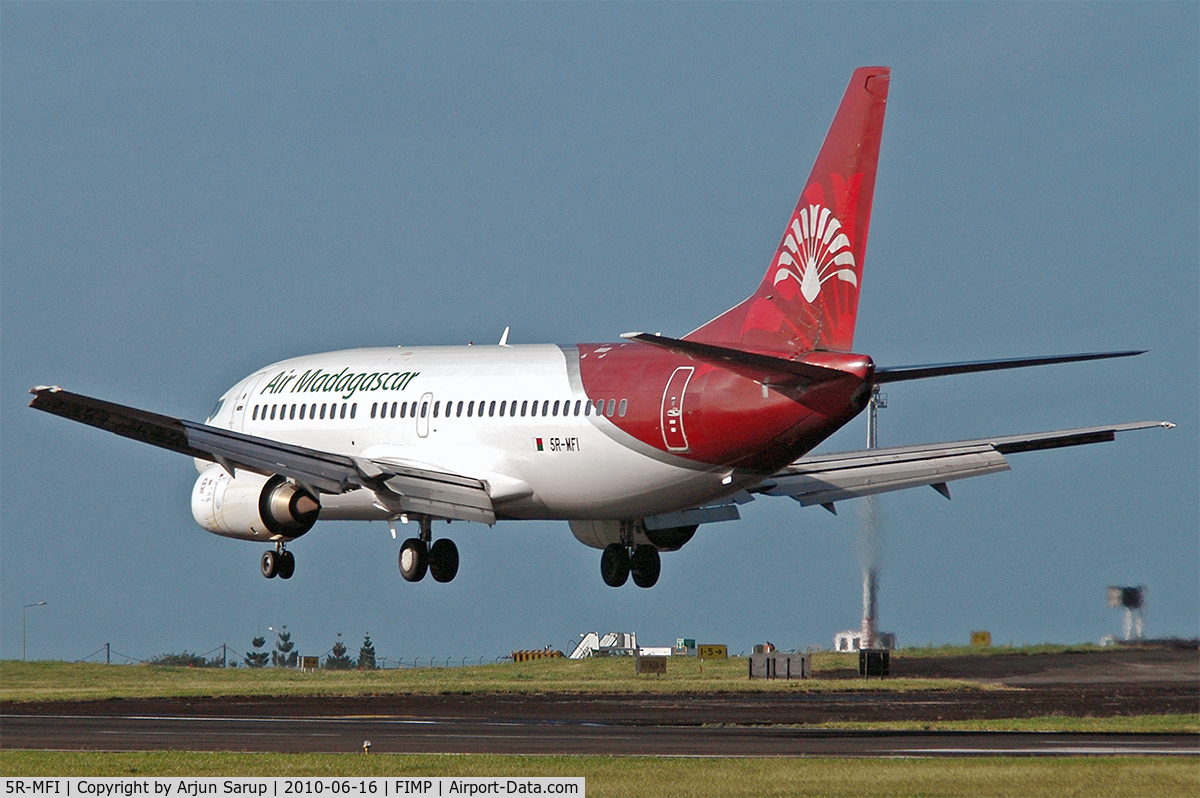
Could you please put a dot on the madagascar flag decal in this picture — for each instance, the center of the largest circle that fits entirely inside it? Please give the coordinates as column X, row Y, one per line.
column 538, row 441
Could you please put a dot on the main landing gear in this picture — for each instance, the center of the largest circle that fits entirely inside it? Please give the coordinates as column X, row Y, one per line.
column 619, row 561
column 418, row 555
column 281, row 563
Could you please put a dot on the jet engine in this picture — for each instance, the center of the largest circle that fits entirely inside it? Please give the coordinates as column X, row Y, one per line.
column 251, row 506
column 599, row 534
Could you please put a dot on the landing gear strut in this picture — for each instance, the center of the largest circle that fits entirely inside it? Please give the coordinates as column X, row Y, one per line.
column 280, row 562
column 417, row 556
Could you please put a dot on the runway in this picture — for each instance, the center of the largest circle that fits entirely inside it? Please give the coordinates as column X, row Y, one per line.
column 739, row 725
column 783, row 722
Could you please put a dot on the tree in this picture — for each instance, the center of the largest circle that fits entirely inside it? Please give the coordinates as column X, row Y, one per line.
column 256, row 658
column 283, row 656
column 186, row 660
column 366, row 655
column 337, row 660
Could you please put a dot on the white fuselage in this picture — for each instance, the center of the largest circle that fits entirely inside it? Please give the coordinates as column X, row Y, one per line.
column 515, row 417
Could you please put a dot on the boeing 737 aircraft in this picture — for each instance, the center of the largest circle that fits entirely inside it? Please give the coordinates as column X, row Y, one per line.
column 634, row 443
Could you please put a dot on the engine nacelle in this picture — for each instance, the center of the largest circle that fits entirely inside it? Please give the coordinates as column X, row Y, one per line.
column 252, row 507
column 599, row 534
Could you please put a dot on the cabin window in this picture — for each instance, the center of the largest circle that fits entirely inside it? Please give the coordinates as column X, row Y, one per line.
column 373, row 406
column 587, row 407
column 624, row 406
column 556, row 404
column 254, row 414
column 272, row 412
column 354, row 409
column 436, row 405
column 393, row 408
column 424, row 409
column 524, row 405
column 612, row 406
column 342, row 412
column 492, row 408
column 471, row 408
column 292, row 415
column 578, row 404
column 512, row 407
column 503, row 405
column 302, row 409
column 322, row 411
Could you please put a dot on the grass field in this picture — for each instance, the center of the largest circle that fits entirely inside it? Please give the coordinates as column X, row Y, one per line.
column 621, row 776
column 50, row 681
column 663, row 777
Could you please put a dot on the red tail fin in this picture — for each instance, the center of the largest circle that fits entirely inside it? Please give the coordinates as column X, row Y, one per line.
column 809, row 297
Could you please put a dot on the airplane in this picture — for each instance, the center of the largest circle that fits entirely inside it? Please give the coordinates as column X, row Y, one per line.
column 634, row 443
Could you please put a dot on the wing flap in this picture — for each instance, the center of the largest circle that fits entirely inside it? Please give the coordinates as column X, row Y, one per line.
column 824, row 479
column 405, row 489
column 866, row 474
column 434, row 493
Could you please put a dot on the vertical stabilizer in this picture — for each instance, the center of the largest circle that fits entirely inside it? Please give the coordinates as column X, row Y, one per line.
column 809, row 296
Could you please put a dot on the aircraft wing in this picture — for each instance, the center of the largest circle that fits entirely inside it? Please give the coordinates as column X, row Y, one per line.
column 403, row 489
column 825, row 479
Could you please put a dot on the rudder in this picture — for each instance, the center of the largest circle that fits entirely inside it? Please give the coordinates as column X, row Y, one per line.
column 808, row 298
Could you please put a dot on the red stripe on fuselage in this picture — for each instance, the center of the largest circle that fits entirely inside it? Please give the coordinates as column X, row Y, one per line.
column 728, row 419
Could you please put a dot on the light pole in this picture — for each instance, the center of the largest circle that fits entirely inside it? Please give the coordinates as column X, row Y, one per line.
column 27, row 606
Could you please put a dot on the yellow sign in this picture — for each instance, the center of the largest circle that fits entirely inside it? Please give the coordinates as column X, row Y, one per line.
column 310, row 663
column 982, row 639
column 710, row 651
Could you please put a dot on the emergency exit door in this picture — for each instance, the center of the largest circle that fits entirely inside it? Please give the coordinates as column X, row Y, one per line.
column 674, row 435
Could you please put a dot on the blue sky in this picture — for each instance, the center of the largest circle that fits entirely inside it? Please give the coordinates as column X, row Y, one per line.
column 191, row 191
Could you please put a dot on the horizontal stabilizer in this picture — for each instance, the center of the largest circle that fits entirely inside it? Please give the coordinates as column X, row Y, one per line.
column 901, row 373
column 766, row 369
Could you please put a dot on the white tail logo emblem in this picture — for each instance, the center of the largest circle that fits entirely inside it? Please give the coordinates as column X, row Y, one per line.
column 815, row 250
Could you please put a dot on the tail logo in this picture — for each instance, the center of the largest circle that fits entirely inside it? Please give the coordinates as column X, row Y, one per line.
column 815, row 250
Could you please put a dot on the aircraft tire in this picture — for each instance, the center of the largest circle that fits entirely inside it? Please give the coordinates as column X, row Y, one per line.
column 443, row 560
column 287, row 564
column 645, row 565
column 614, row 565
column 414, row 560
column 269, row 564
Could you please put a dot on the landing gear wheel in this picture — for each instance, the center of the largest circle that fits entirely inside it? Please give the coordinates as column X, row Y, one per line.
column 286, row 564
column 269, row 564
column 443, row 560
column 414, row 560
column 614, row 565
column 645, row 565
